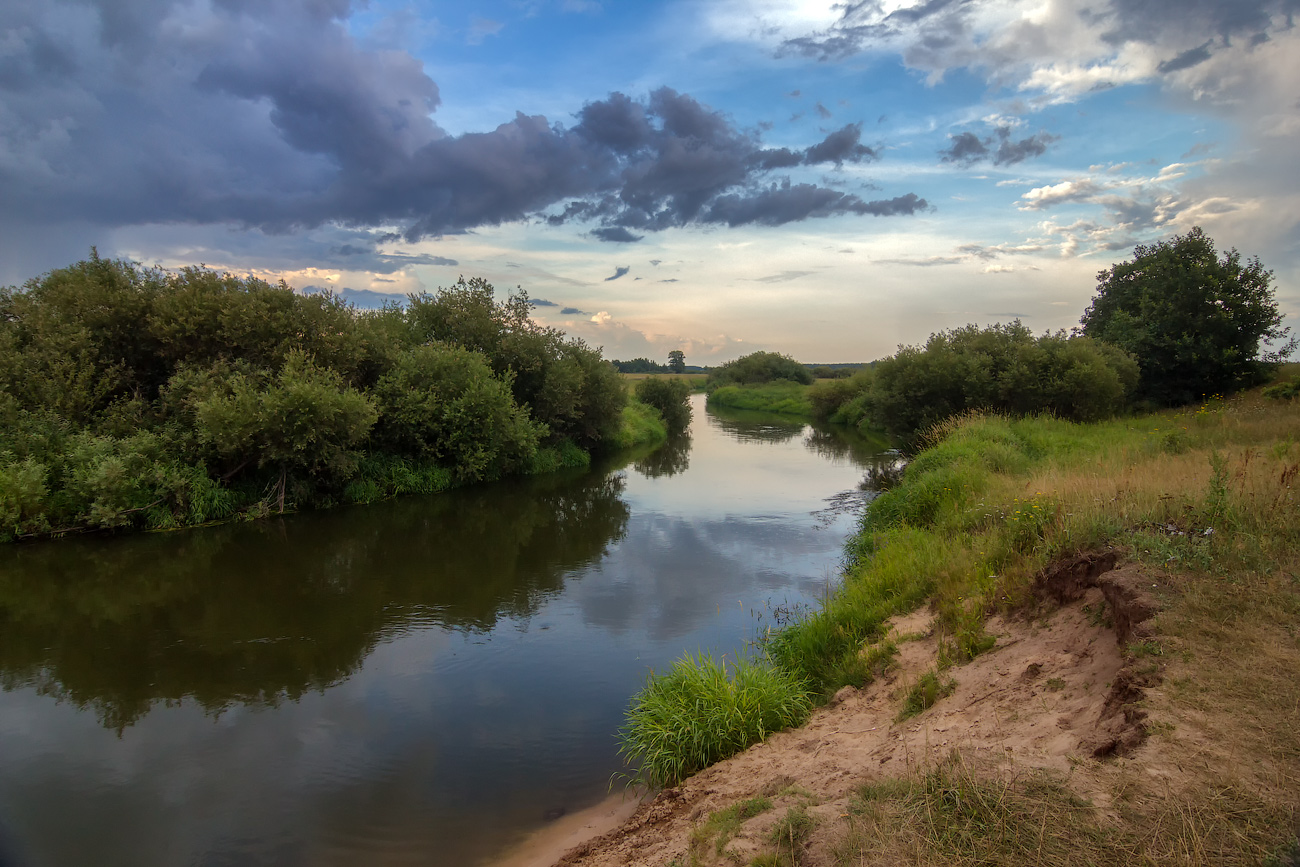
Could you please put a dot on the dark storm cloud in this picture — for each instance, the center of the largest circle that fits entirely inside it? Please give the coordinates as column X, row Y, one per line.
column 1185, row 60
column 618, row 272
column 542, row 302
column 788, row 203
column 967, row 148
column 938, row 23
column 843, row 145
column 270, row 115
column 616, row 235
column 574, row 311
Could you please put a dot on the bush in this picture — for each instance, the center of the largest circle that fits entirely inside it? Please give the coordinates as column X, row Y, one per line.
column 760, row 367
column 133, row 397
column 671, row 397
column 1002, row 368
column 443, row 403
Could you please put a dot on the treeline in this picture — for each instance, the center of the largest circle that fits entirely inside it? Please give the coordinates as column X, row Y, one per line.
column 1179, row 323
column 135, row 397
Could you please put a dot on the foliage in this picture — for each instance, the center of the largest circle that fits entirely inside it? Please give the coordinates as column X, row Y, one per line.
column 677, row 361
column 927, row 690
column 830, row 398
column 759, row 367
column 303, row 418
column 701, row 711
column 640, row 365
column 825, row 371
column 138, row 397
column 642, row 425
column 565, row 384
column 1002, row 368
column 781, row 396
column 1285, row 390
column 443, row 403
column 671, row 397
column 1197, row 324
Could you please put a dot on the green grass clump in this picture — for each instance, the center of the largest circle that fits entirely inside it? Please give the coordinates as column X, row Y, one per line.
column 703, row 710
column 782, row 396
column 640, row 425
column 927, row 690
column 722, row 825
column 789, row 836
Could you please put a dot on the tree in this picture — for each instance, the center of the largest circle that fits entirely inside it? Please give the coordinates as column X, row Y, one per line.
column 760, row 367
column 1197, row 324
column 677, row 361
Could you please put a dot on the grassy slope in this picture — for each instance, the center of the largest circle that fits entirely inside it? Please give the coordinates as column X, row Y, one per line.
column 788, row 398
column 1207, row 498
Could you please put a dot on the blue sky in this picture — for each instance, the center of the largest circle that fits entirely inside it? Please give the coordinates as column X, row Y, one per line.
column 717, row 176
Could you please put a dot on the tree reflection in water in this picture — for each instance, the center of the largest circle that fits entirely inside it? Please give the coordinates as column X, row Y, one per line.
column 260, row 613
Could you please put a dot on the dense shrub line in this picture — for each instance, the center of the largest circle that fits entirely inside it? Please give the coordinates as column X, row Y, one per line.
column 138, row 397
column 1002, row 368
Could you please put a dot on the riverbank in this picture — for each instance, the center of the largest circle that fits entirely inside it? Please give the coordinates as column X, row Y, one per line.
column 1105, row 623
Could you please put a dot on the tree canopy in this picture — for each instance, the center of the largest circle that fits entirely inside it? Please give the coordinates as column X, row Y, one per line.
column 1003, row 368
column 758, row 367
column 136, row 396
column 1198, row 323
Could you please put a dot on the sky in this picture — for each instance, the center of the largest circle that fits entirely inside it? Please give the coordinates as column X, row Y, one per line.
column 826, row 180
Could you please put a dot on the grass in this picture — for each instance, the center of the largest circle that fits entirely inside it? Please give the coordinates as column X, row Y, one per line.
column 1208, row 498
column 695, row 380
column 716, row 831
column 782, row 396
column 703, row 710
column 641, row 425
column 922, row 695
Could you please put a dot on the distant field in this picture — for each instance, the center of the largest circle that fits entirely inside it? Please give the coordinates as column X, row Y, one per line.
column 696, row 380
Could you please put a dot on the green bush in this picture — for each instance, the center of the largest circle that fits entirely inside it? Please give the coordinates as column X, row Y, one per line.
column 759, row 367
column 671, row 397
column 1002, row 368
column 134, row 397
column 443, row 403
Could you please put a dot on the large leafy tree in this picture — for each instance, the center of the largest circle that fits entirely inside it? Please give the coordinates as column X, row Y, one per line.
column 1197, row 322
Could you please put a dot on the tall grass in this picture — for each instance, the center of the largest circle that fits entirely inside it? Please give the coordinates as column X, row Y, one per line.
column 703, row 710
column 1212, row 489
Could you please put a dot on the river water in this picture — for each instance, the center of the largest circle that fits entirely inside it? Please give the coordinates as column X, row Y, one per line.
column 422, row 681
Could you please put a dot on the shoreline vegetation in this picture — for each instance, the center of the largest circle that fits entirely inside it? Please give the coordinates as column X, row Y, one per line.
column 1203, row 499
column 135, row 398
column 1028, row 453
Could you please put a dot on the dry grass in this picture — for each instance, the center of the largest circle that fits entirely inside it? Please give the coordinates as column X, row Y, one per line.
column 1209, row 499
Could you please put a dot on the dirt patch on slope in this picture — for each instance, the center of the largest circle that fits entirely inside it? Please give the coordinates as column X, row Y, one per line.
column 1056, row 688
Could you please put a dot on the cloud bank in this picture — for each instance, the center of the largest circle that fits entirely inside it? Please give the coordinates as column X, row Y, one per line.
column 271, row 115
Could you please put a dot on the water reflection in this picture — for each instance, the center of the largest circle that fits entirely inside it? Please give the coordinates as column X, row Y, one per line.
column 410, row 682
column 670, row 459
column 746, row 425
column 259, row 613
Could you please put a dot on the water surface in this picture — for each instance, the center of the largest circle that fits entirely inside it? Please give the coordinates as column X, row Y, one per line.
column 421, row 681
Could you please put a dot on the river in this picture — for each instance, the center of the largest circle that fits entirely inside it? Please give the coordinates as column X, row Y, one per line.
column 422, row 681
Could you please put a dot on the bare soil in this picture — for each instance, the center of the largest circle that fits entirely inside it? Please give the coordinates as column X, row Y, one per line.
column 1054, row 692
